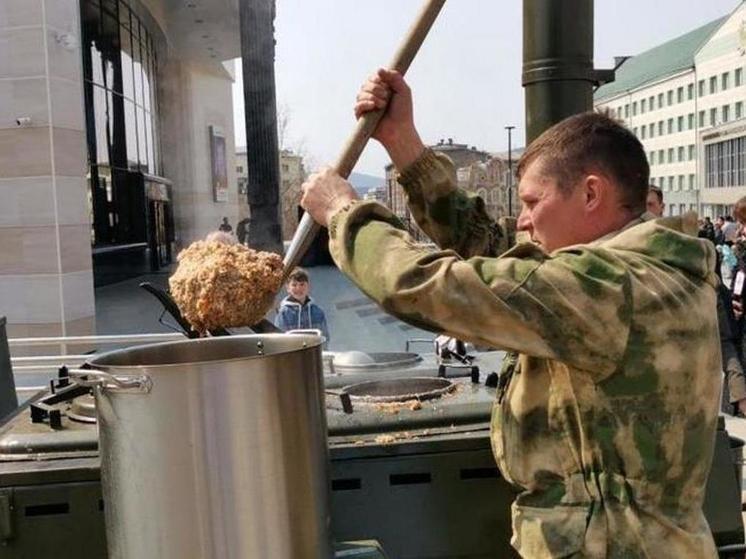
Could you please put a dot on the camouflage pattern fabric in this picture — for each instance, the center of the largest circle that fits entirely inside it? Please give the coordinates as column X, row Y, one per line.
column 606, row 416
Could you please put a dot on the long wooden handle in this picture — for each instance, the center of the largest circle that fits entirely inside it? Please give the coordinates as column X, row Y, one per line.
column 366, row 125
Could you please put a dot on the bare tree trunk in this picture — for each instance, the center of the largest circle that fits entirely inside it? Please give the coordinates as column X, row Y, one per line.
column 258, row 56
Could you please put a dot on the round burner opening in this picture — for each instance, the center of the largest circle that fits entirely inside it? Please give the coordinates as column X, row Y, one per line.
column 399, row 390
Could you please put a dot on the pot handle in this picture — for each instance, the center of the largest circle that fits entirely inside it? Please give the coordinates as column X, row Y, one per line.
column 130, row 384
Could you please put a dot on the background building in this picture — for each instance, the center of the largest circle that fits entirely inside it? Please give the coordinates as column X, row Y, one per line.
column 292, row 175
column 681, row 99
column 116, row 146
column 461, row 155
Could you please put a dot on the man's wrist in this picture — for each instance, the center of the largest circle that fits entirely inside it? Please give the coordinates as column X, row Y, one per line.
column 405, row 148
column 337, row 206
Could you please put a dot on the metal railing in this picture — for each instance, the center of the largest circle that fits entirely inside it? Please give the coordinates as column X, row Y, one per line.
column 24, row 366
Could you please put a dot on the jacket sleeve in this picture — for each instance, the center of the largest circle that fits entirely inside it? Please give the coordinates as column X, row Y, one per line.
column 325, row 329
column 281, row 320
column 524, row 301
column 451, row 217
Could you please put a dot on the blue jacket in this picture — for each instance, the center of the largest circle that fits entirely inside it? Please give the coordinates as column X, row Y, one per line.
column 294, row 315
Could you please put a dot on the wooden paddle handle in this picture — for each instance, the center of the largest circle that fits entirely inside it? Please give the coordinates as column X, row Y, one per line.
column 366, row 126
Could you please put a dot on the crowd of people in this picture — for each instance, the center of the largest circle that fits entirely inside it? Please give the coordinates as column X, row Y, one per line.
column 728, row 234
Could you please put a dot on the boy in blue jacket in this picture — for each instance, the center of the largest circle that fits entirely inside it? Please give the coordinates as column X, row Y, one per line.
column 297, row 310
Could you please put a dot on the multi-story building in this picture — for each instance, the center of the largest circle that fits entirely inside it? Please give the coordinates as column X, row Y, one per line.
column 680, row 95
column 461, row 154
column 292, row 175
column 488, row 180
column 378, row 194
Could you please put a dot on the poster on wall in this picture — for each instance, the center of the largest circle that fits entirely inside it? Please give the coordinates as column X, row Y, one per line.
column 219, row 164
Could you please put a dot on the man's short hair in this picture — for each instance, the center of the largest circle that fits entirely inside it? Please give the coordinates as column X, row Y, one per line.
column 299, row 275
column 658, row 192
column 592, row 142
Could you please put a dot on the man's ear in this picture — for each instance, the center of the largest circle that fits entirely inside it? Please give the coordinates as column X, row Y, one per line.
column 595, row 189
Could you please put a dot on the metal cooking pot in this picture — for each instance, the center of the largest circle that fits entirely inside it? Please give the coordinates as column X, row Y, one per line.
column 214, row 448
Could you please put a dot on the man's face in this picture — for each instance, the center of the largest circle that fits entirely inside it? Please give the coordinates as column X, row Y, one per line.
column 552, row 217
column 298, row 289
column 654, row 205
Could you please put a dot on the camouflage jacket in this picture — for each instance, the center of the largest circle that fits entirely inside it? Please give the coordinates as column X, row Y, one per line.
column 607, row 422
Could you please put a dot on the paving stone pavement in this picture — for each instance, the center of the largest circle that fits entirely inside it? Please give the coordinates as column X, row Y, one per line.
column 355, row 322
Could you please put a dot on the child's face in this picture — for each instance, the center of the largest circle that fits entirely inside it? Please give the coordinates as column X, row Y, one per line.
column 299, row 289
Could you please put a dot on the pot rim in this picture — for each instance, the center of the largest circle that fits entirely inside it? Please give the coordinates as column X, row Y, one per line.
column 308, row 341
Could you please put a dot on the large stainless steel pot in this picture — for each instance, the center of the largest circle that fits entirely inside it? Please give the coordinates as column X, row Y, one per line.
column 214, row 448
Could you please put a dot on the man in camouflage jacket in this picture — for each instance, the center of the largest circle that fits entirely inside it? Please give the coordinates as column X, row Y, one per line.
column 606, row 416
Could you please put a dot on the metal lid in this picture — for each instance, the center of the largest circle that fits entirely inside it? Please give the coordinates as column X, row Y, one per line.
column 83, row 408
column 359, row 361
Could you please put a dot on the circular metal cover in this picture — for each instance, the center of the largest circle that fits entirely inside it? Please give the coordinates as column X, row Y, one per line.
column 399, row 389
column 360, row 361
column 83, row 408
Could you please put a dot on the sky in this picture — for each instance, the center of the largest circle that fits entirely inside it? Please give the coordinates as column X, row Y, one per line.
column 466, row 79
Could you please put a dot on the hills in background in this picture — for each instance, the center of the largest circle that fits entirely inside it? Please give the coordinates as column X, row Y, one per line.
column 363, row 182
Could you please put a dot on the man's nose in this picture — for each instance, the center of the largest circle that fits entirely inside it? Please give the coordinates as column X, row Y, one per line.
column 524, row 221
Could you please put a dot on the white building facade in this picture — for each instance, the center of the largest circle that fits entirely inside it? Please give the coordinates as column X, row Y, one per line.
column 672, row 97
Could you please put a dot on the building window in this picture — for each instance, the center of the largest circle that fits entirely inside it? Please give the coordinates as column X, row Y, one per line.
column 690, row 91
column 713, row 84
column 739, row 110
column 634, row 108
column 626, row 111
column 680, row 124
column 669, row 126
column 701, row 119
column 680, row 95
column 643, row 106
column 681, row 182
column 670, row 183
column 670, row 155
column 690, row 118
column 643, row 129
column 660, row 128
column 725, row 163
column 725, row 81
column 681, row 153
column 669, row 97
column 661, row 157
column 691, row 152
column 691, row 182
column 738, row 75
column 713, row 116
column 726, row 113
column 239, row 169
column 651, row 157
column 660, row 100
column 701, row 87
column 651, row 102
column 120, row 69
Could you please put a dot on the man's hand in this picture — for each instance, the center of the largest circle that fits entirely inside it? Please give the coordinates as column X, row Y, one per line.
column 324, row 194
column 396, row 131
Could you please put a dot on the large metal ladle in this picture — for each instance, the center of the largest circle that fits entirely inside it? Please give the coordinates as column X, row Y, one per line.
column 308, row 228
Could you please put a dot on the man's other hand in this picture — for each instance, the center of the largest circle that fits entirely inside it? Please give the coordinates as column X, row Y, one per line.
column 324, row 194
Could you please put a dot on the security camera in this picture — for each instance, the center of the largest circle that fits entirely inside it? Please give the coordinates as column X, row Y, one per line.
column 23, row 121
